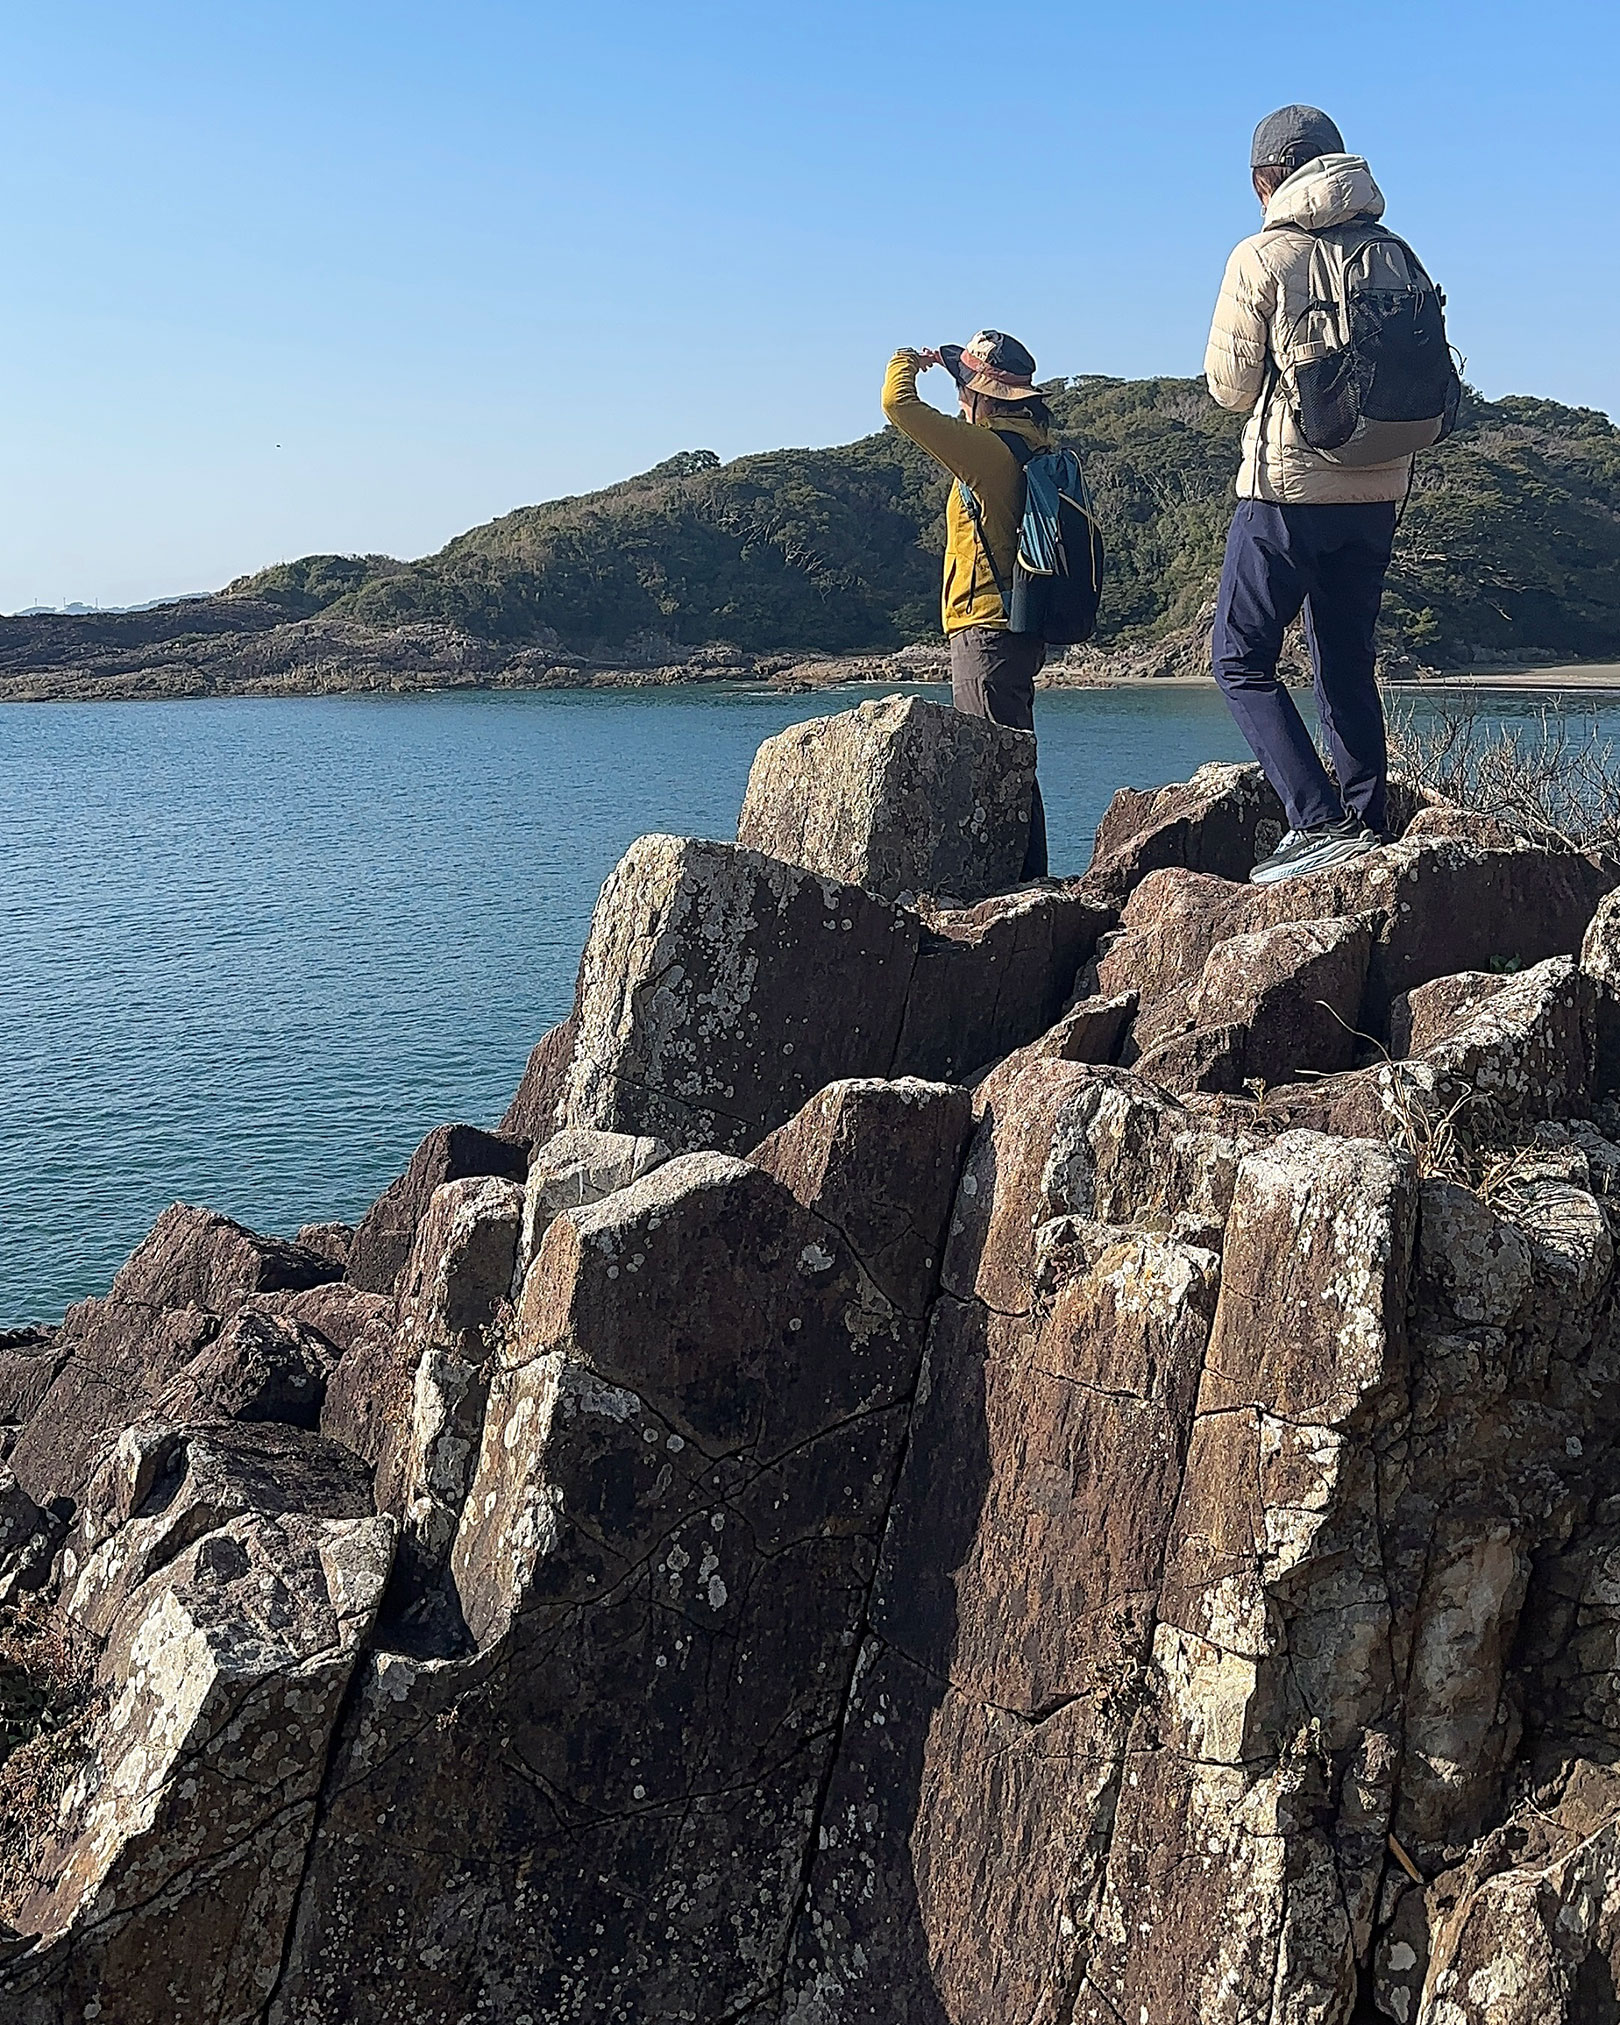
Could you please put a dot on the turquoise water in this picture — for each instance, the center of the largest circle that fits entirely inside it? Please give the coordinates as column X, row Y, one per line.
column 251, row 951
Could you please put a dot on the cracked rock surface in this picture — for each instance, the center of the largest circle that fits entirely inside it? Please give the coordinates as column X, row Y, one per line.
column 1049, row 1460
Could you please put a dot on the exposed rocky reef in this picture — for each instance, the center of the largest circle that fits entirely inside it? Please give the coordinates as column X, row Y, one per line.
column 960, row 1455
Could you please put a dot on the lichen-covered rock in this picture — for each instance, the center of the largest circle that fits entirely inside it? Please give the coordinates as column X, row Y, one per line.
column 115, row 1358
column 1436, row 905
column 1222, row 821
column 1271, row 1746
column 1064, row 1552
column 1434, row 1012
column 663, row 1563
column 261, row 1366
column 454, row 1298
column 1295, row 990
column 29, row 1539
column 900, row 796
column 721, row 989
column 878, row 1160
column 171, row 1867
column 383, row 1241
column 966, row 1824
column 1474, row 1268
column 161, row 1487
column 574, row 1169
column 1527, row 1932
column 1505, row 1059
column 1600, row 961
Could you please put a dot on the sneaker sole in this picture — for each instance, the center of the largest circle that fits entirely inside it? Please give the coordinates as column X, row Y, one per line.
column 1320, row 861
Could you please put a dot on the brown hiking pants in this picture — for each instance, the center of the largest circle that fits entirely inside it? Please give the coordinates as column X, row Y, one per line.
column 993, row 675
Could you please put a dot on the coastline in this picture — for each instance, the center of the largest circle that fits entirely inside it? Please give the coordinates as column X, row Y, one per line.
column 1172, row 664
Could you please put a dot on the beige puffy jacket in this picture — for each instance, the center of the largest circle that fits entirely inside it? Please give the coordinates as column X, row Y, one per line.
column 1264, row 294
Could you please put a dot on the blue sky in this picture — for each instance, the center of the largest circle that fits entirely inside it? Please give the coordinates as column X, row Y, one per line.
column 288, row 277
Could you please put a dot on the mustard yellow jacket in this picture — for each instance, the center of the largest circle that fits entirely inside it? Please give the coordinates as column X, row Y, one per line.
column 972, row 453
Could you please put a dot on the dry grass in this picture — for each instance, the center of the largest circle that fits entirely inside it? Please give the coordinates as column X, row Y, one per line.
column 1443, row 1143
column 1555, row 781
column 49, row 1704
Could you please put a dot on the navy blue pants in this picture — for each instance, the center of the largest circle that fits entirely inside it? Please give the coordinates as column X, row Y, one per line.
column 1331, row 560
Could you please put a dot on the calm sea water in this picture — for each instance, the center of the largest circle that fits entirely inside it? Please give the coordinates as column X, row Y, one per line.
column 251, row 951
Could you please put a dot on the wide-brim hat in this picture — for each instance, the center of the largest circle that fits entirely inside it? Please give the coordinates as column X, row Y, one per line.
column 992, row 363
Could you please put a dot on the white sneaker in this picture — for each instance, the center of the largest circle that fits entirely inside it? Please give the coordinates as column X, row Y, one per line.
column 1313, row 850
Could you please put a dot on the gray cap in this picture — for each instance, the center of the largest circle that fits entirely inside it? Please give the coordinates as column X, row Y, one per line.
column 1291, row 138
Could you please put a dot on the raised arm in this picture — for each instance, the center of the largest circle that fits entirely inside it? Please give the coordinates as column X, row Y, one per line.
column 977, row 456
column 1239, row 337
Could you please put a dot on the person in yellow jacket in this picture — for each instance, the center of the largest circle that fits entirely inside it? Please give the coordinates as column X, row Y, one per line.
column 993, row 670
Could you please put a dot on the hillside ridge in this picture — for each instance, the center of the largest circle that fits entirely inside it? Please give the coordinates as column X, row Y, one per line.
column 1509, row 551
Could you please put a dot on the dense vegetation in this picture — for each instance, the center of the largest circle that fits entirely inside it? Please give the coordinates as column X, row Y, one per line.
column 1510, row 546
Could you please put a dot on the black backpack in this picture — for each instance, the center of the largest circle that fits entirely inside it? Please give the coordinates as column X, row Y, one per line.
column 1366, row 362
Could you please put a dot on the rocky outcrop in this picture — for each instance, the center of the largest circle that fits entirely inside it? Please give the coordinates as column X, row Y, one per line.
column 1134, row 1540
column 663, row 1564
column 901, row 797
column 195, row 1259
column 382, row 1243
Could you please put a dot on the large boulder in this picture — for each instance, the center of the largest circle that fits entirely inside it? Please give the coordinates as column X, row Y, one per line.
column 261, row 1366
column 720, row 989
column 1265, row 1005
column 872, row 1158
column 383, row 1241
column 1222, row 821
column 194, row 1258
column 965, row 1826
column 116, row 1358
column 902, row 797
column 1498, row 1061
column 1436, row 906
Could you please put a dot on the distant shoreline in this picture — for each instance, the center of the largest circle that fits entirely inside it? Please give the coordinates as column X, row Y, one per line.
column 801, row 677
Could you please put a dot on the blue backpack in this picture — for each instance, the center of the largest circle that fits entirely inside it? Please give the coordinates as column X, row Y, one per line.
column 1058, row 573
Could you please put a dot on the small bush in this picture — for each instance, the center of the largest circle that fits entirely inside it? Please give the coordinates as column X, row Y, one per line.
column 1555, row 782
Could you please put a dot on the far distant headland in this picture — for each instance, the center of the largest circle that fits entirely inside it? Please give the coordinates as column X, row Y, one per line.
column 808, row 567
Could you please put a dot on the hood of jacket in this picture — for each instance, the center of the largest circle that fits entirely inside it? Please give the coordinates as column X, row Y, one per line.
column 1018, row 425
column 1328, row 191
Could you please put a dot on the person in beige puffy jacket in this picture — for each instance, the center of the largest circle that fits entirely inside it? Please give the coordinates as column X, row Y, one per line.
column 1308, row 531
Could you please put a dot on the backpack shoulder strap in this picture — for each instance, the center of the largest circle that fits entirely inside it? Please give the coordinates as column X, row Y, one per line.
column 1023, row 452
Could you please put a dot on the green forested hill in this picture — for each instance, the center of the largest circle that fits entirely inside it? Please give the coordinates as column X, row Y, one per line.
column 1511, row 544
